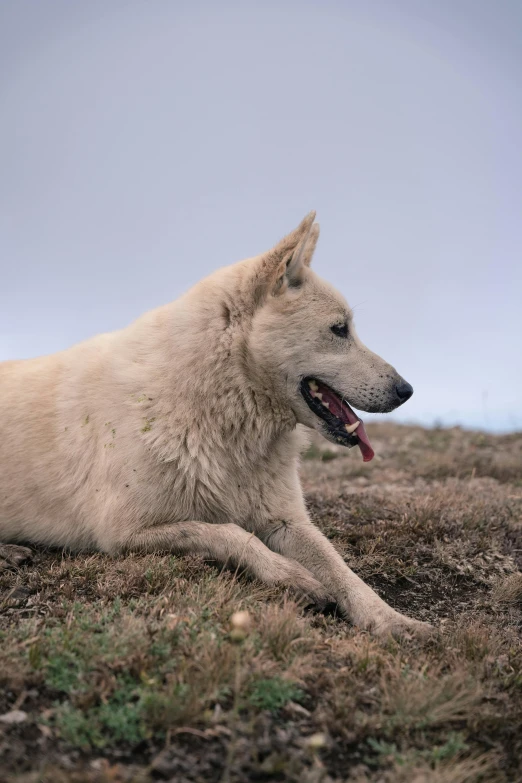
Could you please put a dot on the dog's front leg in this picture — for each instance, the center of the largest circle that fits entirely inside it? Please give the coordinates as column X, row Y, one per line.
column 302, row 541
column 229, row 545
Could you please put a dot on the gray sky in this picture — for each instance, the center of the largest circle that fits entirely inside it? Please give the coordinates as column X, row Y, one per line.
column 144, row 144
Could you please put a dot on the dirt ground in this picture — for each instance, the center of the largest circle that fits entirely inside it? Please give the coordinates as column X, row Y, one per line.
column 127, row 669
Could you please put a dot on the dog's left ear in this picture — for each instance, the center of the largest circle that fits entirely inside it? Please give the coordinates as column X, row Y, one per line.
column 291, row 271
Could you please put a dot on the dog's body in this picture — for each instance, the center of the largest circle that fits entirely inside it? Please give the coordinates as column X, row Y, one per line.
column 182, row 431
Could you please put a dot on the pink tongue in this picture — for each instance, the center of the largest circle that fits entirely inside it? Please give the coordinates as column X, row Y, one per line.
column 343, row 411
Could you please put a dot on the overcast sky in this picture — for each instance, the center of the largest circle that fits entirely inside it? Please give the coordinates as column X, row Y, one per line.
column 144, row 144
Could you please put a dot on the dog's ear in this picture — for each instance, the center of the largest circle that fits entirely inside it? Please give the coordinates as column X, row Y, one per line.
column 291, row 271
column 283, row 266
column 310, row 244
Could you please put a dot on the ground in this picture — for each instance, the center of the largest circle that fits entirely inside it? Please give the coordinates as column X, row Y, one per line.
column 129, row 670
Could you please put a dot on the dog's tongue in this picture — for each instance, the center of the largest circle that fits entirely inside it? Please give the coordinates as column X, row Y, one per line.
column 342, row 410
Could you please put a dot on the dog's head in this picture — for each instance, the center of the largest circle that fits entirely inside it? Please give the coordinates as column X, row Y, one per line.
column 304, row 340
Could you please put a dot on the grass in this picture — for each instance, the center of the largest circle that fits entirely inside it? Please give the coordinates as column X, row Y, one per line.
column 127, row 669
column 272, row 694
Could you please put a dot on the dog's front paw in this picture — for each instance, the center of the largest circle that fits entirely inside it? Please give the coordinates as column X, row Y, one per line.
column 387, row 622
column 322, row 605
column 405, row 627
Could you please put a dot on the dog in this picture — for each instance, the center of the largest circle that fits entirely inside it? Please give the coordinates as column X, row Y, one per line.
column 183, row 431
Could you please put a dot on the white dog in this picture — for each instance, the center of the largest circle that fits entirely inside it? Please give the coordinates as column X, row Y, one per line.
column 180, row 432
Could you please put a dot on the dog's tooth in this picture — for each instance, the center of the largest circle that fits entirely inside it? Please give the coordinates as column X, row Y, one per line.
column 326, row 404
column 313, row 385
column 351, row 427
column 319, row 396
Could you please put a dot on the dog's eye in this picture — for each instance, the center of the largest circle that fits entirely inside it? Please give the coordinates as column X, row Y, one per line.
column 341, row 330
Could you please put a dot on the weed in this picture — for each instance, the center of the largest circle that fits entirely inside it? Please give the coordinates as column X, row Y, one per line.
column 272, row 694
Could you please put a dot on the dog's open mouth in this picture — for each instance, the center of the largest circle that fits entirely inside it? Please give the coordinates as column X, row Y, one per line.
column 342, row 423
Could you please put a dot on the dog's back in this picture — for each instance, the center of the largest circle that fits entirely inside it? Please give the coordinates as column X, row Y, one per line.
column 133, row 427
column 41, row 400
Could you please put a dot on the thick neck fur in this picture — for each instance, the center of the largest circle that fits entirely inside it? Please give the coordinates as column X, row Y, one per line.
column 234, row 403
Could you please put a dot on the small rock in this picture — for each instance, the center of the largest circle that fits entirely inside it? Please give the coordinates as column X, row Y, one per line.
column 297, row 710
column 241, row 624
column 45, row 730
column 99, row 764
column 241, row 621
column 164, row 764
column 15, row 716
column 316, row 742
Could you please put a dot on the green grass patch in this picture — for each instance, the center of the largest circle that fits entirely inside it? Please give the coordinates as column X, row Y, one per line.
column 272, row 694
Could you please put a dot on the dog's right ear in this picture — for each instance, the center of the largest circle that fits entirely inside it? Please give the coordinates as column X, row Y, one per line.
column 283, row 266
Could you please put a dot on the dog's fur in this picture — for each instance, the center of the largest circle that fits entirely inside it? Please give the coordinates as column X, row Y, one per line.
column 181, row 431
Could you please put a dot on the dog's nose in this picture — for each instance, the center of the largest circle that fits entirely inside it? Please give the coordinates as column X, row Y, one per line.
column 404, row 391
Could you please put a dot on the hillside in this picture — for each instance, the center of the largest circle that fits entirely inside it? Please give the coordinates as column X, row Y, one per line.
column 125, row 669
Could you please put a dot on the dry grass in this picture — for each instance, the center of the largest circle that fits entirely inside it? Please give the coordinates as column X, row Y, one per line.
column 509, row 591
column 127, row 669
